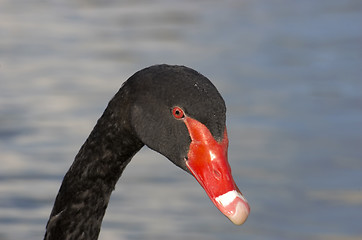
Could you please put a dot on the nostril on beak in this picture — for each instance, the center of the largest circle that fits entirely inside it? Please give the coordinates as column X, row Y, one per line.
column 217, row 174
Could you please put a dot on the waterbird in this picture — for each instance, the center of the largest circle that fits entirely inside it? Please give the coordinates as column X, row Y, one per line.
column 173, row 110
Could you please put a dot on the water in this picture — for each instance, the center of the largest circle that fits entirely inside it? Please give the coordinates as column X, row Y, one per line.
column 290, row 73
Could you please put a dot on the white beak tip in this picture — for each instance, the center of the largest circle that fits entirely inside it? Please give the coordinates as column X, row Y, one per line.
column 234, row 206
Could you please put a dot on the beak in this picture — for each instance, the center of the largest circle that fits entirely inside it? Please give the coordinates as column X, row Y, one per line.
column 207, row 161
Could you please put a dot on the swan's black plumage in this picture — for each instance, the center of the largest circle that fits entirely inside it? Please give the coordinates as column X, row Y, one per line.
column 140, row 113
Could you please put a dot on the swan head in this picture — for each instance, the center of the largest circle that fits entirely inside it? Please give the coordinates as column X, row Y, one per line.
column 179, row 113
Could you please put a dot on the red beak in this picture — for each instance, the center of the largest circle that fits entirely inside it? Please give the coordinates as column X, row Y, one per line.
column 207, row 161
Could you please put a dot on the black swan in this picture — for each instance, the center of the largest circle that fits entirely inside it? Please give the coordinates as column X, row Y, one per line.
column 175, row 111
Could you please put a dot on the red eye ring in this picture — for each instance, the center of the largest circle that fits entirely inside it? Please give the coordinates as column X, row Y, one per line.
column 178, row 113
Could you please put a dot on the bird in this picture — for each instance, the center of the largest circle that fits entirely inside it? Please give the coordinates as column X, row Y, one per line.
column 175, row 111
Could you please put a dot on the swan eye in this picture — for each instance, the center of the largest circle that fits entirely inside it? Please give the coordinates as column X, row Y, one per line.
column 178, row 113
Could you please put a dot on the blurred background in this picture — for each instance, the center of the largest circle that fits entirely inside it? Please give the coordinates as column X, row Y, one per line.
column 291, row 76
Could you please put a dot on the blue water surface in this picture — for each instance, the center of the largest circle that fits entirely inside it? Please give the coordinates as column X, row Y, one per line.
column 291, row 76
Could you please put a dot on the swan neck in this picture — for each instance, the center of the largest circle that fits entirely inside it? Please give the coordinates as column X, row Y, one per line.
column 87, row 186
